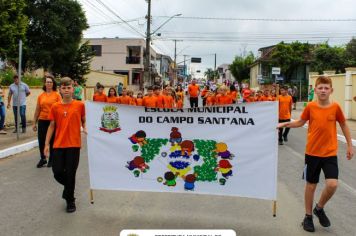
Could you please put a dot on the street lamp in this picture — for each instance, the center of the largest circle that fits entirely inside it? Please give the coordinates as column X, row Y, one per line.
column 148, row 42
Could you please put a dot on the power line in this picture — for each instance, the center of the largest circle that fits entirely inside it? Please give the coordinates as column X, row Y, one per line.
column 259, row 19
column 115, row 14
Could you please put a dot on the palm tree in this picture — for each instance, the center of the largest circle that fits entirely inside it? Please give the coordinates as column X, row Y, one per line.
column 211, row 74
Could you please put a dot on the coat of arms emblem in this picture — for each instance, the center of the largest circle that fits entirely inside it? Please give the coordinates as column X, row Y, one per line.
column 110, row 120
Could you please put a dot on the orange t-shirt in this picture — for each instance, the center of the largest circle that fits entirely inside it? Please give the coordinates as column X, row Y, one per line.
column 179, row 104
column 285, row 107
column 125, row 100
column 133, row 101
column 322, row 133
column 181, row 94
column 223, row 100
column 246, row 93
column 204, row 92
column 210, row 101
column 193, row 90
column 68, row 120
column 45, row 102
column 100, row 97
column 150, row 101
column 112, row 99
column 265, row 98
column 160, row 101
column 168, row 101
column 139, row 101
column 233, row 95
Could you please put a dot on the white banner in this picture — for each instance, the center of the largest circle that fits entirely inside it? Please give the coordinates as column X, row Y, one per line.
column 213, row 150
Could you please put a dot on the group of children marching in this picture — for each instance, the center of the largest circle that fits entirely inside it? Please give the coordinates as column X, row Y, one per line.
column 169, row 97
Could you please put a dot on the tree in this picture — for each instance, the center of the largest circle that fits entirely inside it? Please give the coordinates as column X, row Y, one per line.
column 81, row 63
column 240, row 67
column 211, row 74
column 350, row 53
column 13, row 25
column 326, row 57
column 290, row 56
column 54, row 34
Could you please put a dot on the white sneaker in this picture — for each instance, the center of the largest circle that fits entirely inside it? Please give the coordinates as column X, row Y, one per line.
column 3, row 132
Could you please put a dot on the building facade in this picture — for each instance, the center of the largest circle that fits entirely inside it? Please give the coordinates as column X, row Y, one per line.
column 123, row 56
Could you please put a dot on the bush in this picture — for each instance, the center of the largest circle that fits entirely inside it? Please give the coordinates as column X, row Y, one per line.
column 6, row 78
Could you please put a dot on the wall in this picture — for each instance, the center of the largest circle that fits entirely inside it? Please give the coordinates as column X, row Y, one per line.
column 253, row 76
column 106, row 79
column 353, row 106
column 339, row 86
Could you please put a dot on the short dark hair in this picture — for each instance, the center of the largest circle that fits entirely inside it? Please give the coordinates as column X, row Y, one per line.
column 15, row 77
column 99, row 86
column 53, row 81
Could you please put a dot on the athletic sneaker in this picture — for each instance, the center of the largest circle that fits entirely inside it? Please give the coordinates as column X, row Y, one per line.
column 308, row 224
column 323, row 219
column 41, row 163
column 71, row 206
column 285, row 138
column 3, row 132
column 280, row 142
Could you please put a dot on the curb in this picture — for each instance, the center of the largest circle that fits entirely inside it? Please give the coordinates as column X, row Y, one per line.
column 18, row 149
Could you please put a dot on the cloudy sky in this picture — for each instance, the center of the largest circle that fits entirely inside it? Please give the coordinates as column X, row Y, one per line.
column 225, row 27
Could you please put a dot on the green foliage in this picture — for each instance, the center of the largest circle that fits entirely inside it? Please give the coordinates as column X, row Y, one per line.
column 350, row 53
column 6, row 78
column 329, row 58
column 81, row 63
column 290, row 56
column 211, row 74
column 13, row 24
column 54, row 34
column 240, row 66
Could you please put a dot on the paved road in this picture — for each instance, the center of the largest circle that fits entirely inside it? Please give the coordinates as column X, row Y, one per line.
column 31, row 203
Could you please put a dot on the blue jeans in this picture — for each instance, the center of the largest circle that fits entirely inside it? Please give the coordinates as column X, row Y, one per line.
column 22, row 115
column 2, row 116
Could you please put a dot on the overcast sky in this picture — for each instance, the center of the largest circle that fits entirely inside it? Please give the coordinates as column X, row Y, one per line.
column 239, row 25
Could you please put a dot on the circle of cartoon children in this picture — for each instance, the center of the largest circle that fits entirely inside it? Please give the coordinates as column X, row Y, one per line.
column 63, row 116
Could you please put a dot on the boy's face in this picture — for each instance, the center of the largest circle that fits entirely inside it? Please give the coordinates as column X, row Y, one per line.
column 100, row 90
column 283, row 91
column 157, row 91
column 150, row 92
column 67, row 91
column 323, row 91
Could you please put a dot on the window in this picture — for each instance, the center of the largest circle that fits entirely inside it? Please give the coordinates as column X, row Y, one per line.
column 96, row 49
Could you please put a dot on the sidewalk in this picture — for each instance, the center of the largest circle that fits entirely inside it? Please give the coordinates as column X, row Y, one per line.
column 351, row 123
column 9, row 140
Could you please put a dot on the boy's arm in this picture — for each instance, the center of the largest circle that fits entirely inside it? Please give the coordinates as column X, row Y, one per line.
column 9, row 99
column 50, row 132
column 84, row 125
column 35, row 117
column 292, row 124
column 346, row 131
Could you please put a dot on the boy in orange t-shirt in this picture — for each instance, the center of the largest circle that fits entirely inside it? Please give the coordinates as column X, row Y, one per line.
column 159, row 97
column 223, row 99
column 168, row 99
column 67, row 117
column 150, row 100
column 210, row 99
column 99, row 96
column 321, row 149
column 139, row 99
column 284, row 114
column 125, row 98
column 193, row 91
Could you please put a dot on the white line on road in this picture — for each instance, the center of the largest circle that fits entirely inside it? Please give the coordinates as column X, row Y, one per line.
column 342, row 183
column 339, row 136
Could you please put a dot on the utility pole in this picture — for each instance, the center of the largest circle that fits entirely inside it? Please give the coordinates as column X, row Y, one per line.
column 215, row 62
column 175, row 62
column 147, row 70
column 18, row 91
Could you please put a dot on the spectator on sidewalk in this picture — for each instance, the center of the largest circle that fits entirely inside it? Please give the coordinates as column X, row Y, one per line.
column 310, row 93
column 120, row 88
column 24, row 92
column 294, row 96
column 2, row 111
column 45, row 100
column 78, row 91
column 67, row 118
column 193, row 91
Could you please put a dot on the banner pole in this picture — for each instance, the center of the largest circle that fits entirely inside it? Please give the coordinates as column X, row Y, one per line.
column 91, row 196
column 274, row 208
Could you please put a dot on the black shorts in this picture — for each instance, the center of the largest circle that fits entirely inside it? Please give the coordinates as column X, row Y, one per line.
column 294, row 99
column 314, row 165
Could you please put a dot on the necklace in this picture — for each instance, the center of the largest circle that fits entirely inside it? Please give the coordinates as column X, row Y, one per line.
column 66, row 105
